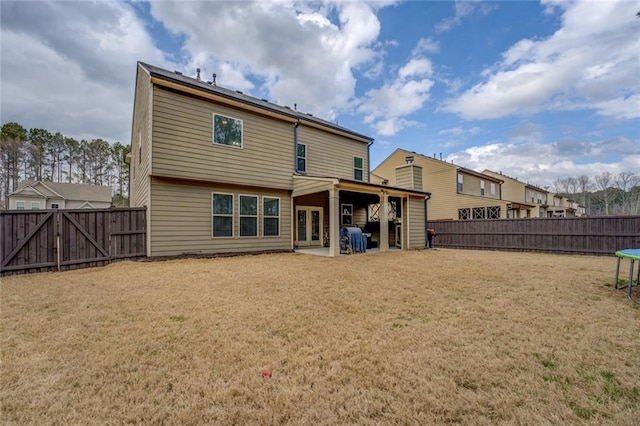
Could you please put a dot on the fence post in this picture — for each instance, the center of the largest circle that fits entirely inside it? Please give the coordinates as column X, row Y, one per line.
column 56, row 227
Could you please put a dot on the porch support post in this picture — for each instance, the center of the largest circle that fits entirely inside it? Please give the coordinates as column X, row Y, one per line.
column 384, row 222
column 334, row 222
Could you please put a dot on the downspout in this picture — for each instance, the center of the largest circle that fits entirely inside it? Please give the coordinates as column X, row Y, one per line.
column 295, row 171
column 369, row 161
column 295, row 145
column 426, row 227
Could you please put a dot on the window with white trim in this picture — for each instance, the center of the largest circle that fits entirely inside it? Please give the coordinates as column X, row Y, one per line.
column 492, row 188
column 270, row 217
column 358, row 168
column 19, row 205
column 55, row 206
column 346, row 214
column 222, row 212
column 301, row 158
column 35, row 205
column 460, row 181
column 248, row 215
column 227, row 131
column 482, row 187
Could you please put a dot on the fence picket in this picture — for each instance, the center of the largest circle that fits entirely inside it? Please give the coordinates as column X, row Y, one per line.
column 601, row 235
column 48, row 240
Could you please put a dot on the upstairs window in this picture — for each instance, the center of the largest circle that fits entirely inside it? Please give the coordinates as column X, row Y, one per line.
column 55, row 206
column 227, row 131
column 482, row 187
column 248, row 216
column 301, row 158
column 460, row 181
column 222, row 209
column 20, row 205
column 270, row 217
column 358, row 168
column 35, row 205
column 492, row 188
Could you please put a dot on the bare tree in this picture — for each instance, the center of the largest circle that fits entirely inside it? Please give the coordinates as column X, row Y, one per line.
column 584, row 186
column 560, row 186
column 572, row 185
column 603, row 181
column 624, row 182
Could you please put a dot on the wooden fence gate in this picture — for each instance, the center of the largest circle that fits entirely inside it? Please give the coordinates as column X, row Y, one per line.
column 60, row 240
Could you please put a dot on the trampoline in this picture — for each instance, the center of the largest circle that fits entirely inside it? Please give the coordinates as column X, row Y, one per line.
column 633, row 255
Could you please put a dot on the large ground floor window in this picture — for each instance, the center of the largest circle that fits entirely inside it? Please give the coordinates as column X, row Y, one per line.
column 250, row 212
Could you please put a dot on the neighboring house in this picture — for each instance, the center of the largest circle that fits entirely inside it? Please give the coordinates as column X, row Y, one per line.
column 526, row 200
column 222, row 172
column 34, row 195
column 456, row 192
column 561, row 206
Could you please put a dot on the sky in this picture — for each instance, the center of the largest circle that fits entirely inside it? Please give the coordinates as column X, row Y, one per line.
column 538, row 90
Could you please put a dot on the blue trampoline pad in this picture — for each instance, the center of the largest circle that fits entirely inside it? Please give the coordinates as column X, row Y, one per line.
column 629, row 254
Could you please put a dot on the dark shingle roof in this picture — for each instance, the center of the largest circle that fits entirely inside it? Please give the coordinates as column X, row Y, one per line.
column 241, row 97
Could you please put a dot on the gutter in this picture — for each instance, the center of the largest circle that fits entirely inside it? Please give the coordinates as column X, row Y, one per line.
column 369, row 160
column 426, row 227
column 295, row 146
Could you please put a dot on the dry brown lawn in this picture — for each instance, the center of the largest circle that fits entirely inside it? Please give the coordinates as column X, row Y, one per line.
column 424, row 337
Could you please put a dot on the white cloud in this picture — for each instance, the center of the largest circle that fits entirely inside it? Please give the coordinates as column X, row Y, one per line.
column 426, row 45
column 459, row 131
column 455, row 131
column 463, row 9
column 391, row 102
column 74, row 75
column 542, row 163
column 590, row 63
column 385, row 108
column 303, row 53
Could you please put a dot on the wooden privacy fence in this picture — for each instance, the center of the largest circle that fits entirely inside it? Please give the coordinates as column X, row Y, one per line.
column 60, row 240
column 602, row 235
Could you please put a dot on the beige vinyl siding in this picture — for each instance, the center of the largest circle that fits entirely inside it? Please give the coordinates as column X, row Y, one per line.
column 417, row 178
column 416, row 223
column 409, row 176
column 332, row 155
column 404, row 177
column 512, row 189
column 182, row 220
column 471, row 185
column 184, row 148
column 141, row 142
column 304, row 186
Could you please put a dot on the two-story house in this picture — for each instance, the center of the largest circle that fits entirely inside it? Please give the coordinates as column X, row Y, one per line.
column 526, row 200
column 561, row 206
column 222, row 172
column 456, row 192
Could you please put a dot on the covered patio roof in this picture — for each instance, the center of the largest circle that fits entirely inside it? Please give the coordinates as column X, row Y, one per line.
column 304, row 185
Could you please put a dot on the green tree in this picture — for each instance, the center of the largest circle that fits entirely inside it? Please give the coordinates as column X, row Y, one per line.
column 12, row 154
column 119, row 152
column 39, row 142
